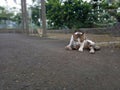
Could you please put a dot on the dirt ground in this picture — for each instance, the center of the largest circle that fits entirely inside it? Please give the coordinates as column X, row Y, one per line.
column 34, row 63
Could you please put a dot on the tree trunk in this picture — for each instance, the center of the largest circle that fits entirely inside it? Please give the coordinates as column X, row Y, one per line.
column 24, row 17
column 43, row 9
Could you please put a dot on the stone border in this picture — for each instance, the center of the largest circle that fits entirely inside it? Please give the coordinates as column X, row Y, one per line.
column 111, row 44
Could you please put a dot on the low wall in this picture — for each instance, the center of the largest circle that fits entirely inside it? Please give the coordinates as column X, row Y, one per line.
column 110, row 31
column 86, row 30
column 10, row 31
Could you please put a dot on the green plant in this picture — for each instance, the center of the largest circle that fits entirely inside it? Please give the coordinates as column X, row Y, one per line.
column 106, row 5
column 118, row 16
column 70, row 13
column 112, row 6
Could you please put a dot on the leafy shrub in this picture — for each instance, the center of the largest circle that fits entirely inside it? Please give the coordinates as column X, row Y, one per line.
column 118, row 16
column 70, row 13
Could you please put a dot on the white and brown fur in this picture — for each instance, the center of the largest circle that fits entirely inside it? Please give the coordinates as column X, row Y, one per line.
column 78, row 41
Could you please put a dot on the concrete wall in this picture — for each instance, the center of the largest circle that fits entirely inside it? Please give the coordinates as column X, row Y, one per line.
column 115, row 30
column 110, row 30
column 10, row 31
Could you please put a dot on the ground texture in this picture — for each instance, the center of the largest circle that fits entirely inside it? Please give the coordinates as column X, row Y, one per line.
column 34, row 63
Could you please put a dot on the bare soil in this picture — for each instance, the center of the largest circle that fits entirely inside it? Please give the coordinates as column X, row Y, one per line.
column 34, row 63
